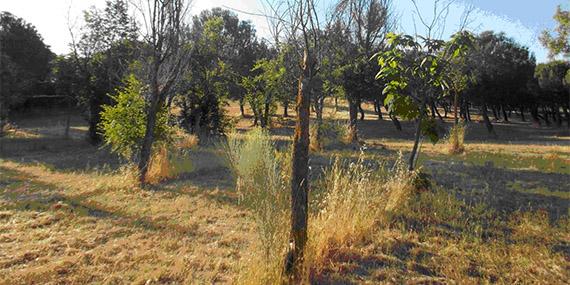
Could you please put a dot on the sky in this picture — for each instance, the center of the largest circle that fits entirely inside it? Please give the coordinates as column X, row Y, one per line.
column 522, row 20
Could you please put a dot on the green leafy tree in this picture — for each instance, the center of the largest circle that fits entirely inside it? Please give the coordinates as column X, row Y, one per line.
column 554, row 89
column 415, row 75
column 24, row 63
column 559, row 42
column 105, row 48
column 123, row 124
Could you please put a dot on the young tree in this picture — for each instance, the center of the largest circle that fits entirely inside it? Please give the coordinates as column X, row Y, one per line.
column 301, row 22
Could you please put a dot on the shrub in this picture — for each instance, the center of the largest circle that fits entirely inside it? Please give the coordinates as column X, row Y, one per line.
column 124, row 123
column 262, row 187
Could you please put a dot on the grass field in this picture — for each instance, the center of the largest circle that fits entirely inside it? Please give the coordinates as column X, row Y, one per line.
column 499, row 213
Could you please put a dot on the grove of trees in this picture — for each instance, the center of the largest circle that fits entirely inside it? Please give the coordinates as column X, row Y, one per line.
column 133, row 79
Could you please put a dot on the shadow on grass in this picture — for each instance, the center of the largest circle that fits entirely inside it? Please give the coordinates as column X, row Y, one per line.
column 24, row 193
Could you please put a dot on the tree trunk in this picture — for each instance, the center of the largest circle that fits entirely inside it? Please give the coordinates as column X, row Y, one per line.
column 361, row 110
column 320, row 103
column 557, row 117
column 300, row 171
column 353, row 114
column 505, row 117
column 455, row 102
column 567, row 116
column 286, row 109
column 94, row 118
column 3, row 114
column 486, row 120
column 522, row 114
column 534, row 116
column 546, row 120
column 336, row 104
column 152, row 111
column 242, row 107
column 395, row 121
column 417, row 136
column 378, row 107
column 495, row 114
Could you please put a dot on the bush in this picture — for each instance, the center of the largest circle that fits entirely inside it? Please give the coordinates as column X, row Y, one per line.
column 124, row 123
column 262, row 187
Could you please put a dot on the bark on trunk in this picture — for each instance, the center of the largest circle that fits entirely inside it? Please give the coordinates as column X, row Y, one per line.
column 522, row 115
column 300, row 172
column 414, row 153
column 353, row 114
column 395, row 121
column 146, row 149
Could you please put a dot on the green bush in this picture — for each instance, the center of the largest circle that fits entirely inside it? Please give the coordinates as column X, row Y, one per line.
column 124, row 124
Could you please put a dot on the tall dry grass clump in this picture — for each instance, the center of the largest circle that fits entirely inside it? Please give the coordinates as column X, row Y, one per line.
column 456, row 139
column 168, row 162
column 331, row 133
column 356, row 199
column 262, row 187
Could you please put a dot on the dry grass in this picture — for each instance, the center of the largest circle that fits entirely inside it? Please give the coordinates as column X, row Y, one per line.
column 64, row 226
column 261, row 182
column 356, row 199
column 456, row 139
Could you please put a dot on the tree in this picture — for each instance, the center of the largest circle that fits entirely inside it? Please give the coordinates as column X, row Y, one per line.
column 301, row 22
column 124, row 123
column 165, row 61
column 501, row 71
column 24, row 63
column 207, row 81
column 559, row 43
column 553, row 86
column 103, row 53
column 367, row 22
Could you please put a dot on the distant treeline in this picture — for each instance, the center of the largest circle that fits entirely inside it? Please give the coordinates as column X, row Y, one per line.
column 496, row 76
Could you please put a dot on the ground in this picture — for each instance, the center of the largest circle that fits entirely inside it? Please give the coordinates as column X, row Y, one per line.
column 69, row 215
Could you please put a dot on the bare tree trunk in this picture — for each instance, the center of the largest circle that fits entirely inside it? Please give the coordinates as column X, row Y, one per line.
column 486, row 119
column 286, row 109
column 522, row 114
column 361, row 110
column 378, row 107
column 395, row 121
column 567, row 116
column 300, row 171
column 455, row 102
column 417, row 137
column 146, row 148
column 242, row 107
column 505, row 117
column 353, row 117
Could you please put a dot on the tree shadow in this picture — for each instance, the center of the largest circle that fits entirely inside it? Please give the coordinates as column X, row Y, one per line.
column 24, row 193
